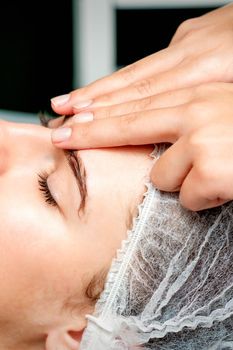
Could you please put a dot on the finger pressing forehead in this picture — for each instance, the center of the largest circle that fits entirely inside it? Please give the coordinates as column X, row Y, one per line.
column 149, row 127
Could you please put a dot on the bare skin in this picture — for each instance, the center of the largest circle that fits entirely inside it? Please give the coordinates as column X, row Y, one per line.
column 49, row 253
column 181, row 95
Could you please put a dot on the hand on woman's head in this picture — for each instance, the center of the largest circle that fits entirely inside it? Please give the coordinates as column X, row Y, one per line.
column 56, row 247
column 200, row 51
column 198, row 124
column 170, row 96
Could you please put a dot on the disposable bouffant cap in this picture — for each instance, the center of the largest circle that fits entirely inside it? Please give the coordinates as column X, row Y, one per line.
column 171, row 283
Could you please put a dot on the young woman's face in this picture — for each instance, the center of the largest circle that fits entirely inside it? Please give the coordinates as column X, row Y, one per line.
column 52, row 242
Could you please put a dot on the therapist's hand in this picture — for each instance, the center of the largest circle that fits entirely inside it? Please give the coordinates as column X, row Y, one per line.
column 200, row 51
column 196, row 121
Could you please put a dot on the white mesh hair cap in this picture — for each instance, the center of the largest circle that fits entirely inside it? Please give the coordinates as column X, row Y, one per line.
column 171, row 283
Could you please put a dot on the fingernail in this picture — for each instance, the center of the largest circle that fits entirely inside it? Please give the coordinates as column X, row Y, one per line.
column 60, row 100
column 82, row 104
column 61, row 134
column 83, row 117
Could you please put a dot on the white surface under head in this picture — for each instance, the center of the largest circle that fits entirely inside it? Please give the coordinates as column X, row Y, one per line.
column 168, row 3
column 95, row 32
column 19, row 117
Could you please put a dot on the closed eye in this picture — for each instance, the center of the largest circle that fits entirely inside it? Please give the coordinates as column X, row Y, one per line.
column 80, row 176
column 75, row 164
column 44, row 188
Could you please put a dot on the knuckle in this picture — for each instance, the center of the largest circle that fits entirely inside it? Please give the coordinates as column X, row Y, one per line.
column 205, row 177
column 209, row 184
column 200, row 110
column 128, row 73
column 103, row 113
column 187, row 25
column 126, row 124
column 146, row 102
column 142, row 104
column 80, row 93
column 198, row 143
column 198, row 191
column 83, row 132
column 143, row 87
column 188, row 32
column 210, row 64
column 107, row 113
column 103, row 100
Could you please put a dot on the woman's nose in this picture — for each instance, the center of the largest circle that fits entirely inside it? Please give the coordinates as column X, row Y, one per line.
column 19, row 142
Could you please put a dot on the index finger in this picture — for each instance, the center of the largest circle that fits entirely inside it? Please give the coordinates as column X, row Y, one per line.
column 153, row 126
column 151, row 65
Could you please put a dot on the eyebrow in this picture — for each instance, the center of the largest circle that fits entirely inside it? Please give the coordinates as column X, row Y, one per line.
column 75, row 163
column 79, row 172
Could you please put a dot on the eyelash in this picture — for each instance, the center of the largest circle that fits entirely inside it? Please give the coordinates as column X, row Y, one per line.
column 44, row 188
column 43, row 184
column 75, row 163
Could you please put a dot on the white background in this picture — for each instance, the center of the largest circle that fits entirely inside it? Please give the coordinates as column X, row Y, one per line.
column 94, row 45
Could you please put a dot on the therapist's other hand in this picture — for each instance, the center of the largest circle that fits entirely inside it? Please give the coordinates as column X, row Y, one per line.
column 196, row 121
column 201, row 51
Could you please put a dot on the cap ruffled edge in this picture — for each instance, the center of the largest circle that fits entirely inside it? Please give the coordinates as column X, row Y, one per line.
column 120, row 263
